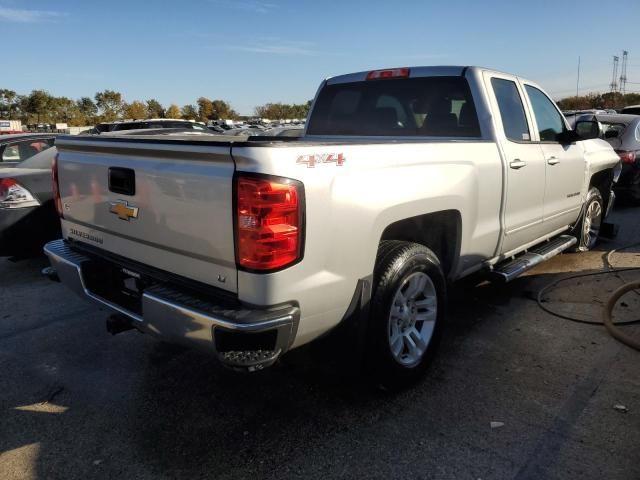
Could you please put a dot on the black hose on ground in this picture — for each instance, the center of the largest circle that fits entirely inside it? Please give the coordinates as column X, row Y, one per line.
column 607, row 319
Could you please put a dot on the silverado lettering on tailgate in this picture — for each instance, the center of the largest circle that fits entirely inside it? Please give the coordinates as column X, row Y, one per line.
column 85, row 236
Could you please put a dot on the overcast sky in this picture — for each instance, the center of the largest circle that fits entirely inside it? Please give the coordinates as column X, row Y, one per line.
column 254, row 51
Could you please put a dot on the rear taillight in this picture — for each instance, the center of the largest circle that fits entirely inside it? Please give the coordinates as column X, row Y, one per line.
column 14, row 195
column 268, row 222
column 391, row 73
column 626, row 157
column 56, row 186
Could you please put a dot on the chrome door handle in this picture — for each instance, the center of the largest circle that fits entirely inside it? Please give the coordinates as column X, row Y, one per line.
column 553, row 160
column 517, row 163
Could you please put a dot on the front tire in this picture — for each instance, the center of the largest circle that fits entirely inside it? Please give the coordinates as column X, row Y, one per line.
column 407, row 311
column 588, row 228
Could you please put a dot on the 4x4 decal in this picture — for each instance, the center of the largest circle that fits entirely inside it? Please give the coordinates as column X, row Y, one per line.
column 313, row 159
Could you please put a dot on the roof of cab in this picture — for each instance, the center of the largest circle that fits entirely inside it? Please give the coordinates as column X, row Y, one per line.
column 417, row 71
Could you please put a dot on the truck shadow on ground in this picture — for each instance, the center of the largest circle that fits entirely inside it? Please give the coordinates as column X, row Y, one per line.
column 176, row 412
column 205, row 418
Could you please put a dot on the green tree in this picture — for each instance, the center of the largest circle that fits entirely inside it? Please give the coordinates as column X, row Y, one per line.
column 599, row 100
column 189, row 112
column 88, row 111
column 37, row 103
column 21, row 106
column 205, row 109
column 222, row 110
column 135, row 110
column 64, row 110
column 154, row 109
column 110, row 104
column 173, row 111
column 8, row 100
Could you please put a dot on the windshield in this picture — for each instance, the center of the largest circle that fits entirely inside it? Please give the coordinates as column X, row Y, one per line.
column 426, row 106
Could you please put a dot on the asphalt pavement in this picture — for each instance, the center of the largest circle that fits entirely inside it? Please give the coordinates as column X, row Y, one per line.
column 515, row 393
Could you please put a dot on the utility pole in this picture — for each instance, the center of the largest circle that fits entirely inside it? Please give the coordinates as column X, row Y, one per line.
column 623, row 72
column 614, row 83
column 578, row 80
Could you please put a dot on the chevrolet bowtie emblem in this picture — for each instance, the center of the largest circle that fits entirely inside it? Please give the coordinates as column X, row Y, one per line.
column 123, row 210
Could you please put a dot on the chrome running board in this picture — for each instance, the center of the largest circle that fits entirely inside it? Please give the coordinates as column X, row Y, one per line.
column 513, row 268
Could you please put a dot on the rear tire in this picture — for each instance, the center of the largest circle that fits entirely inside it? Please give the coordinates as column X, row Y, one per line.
column 588, row 228
column 407, row 311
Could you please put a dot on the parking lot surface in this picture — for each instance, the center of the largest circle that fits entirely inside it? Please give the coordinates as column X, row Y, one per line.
column 76, row 402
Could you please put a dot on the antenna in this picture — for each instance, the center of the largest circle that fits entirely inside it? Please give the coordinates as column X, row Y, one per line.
column 614, row 83
column 623, row 72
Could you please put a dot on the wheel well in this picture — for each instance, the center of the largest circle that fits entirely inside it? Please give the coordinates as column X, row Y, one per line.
column 602, row 181
column 438, row 231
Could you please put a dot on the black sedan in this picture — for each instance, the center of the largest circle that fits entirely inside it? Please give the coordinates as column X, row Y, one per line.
column 28, row 218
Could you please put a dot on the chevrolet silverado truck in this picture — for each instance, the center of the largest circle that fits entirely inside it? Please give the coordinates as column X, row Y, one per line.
column 405, row 180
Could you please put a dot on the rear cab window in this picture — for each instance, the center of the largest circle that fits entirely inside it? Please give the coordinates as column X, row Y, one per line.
column 514, row 120
column 422, row 106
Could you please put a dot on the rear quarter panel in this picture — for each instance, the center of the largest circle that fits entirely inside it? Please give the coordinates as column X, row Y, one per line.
column 349, row 206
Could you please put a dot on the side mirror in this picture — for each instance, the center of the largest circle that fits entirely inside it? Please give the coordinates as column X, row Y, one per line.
column 587, row 129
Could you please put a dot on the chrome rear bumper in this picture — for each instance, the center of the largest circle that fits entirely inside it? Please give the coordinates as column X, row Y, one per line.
column 243, row 338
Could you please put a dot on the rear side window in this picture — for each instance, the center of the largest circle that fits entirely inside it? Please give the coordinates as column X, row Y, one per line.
column 548, row 119
column 612, row 129
column 631, row 111
column 20, row 151
column 427, row 106
column 514, row 121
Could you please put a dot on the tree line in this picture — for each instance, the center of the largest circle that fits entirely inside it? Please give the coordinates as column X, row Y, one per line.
column 40, row 106
column 599, row 100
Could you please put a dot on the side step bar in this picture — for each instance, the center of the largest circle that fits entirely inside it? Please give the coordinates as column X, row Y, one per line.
column 508, row 270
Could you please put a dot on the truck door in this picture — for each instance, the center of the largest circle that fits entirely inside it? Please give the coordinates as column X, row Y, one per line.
column 565, row 163
column 525, row 165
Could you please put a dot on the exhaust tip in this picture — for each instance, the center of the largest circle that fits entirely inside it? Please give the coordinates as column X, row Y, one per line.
column 51, row 274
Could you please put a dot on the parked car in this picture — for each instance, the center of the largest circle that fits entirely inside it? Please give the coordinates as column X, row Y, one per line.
column 19, row 147
column 623, row 134
column 148, row 124
column 161, row 131
column 631, row 110
column 573, row 115
column 28, row 216
column 406, row 180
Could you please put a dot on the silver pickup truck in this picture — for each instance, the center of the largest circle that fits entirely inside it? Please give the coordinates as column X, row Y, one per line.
column 405, row 180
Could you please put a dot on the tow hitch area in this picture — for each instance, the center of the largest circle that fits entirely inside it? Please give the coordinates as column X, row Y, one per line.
column 117, row 323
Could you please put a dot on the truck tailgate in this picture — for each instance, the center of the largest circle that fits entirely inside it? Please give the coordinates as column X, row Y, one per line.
column 163, row 203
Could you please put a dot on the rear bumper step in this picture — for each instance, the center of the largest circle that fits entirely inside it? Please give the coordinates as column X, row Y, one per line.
column 242, row 338
column 507, row 271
